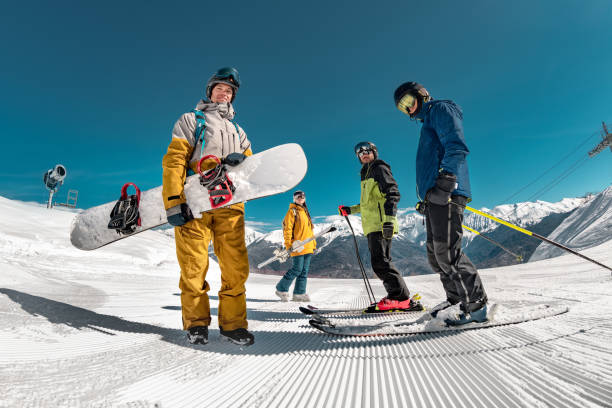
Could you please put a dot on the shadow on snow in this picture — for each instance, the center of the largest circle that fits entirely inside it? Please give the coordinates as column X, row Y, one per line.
column 266, row 342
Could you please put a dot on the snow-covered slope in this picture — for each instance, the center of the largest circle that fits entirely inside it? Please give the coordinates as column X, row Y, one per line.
column 103, row 329
column 31, row 232
column 588, row 226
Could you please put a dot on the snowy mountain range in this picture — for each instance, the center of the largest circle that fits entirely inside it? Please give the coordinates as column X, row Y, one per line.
column 336, row 254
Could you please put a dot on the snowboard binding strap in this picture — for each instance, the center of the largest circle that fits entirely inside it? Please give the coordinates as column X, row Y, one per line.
column 220, row 187
column 125, row 216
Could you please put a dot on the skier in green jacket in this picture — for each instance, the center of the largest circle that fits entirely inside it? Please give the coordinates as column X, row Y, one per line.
column 378, row 207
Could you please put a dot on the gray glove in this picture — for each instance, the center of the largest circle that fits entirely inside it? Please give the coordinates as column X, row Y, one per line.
column 179, row 215
column 440, row 194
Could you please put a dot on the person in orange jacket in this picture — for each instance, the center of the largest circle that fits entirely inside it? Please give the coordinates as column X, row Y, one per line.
column 297, row 226
column 209, row 129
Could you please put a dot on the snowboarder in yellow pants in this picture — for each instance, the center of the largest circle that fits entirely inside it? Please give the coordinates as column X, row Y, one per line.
column 209, row 129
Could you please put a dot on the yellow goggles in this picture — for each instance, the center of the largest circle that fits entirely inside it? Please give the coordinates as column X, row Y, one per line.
column 406, row 103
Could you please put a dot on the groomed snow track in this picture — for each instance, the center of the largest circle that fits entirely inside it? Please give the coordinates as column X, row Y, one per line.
column 563, row 361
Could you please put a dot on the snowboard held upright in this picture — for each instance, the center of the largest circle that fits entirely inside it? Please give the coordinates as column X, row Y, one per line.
column 267, row 173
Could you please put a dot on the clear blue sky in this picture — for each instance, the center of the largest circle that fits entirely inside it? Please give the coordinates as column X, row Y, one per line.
column 97, row 86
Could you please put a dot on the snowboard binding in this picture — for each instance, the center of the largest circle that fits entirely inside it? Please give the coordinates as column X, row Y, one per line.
column 125, row 216
column 220, row 187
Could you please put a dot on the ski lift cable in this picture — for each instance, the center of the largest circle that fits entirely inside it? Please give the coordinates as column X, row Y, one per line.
column 575, row 166
column 551, row 168
column 556, row 180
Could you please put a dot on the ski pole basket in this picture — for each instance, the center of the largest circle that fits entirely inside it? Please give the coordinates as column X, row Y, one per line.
column 220, row 187
column 125, row 216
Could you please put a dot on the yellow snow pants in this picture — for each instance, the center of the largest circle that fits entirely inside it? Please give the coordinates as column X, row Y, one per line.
column 225, row 226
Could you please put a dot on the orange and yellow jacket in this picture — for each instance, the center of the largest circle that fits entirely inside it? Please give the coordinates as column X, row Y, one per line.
column 297, row 226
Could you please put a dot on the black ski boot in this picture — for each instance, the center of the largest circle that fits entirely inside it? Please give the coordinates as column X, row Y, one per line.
column 198, row 335
column 241, row 336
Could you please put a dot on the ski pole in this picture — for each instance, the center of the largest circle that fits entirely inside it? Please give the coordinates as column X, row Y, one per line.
column 363, row 272
column 518, row 257
column 282, row 255
column 533, row 234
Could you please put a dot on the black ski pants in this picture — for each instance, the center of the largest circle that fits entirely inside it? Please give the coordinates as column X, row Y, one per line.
column 380, row 255
column 459, row 276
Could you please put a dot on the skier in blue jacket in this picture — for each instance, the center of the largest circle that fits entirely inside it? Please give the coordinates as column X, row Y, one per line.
column 443, row 189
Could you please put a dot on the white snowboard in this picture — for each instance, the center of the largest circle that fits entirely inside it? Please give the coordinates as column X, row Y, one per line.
column 270, row 172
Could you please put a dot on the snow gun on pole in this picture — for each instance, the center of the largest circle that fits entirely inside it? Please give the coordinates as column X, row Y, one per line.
column 533, row 234
column 519, row 258
column 363, row 272
column 282, row 255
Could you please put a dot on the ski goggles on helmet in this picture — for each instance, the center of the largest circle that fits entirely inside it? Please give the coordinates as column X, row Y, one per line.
column 230, row 74
column 406, row 103
column 363, row 152
column 299, row 194
column 363, row 148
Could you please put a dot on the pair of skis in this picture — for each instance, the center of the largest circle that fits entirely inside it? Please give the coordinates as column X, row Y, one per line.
column 420, row 322
column 415, row 322
column 282, row 255
column 319, row 313
column 323, row 319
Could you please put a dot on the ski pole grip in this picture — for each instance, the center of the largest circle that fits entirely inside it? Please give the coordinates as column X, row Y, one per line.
column 210, row 156
column 342, row 211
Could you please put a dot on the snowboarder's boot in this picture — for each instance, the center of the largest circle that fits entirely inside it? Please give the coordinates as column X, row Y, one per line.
column 477, row 316
column 241, row 336
column 301, row 298
column 198, row 335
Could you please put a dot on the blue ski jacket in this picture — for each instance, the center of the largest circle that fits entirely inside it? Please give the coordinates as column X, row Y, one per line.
column 441, row 147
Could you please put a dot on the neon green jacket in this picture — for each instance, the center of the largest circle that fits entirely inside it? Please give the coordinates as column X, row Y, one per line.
column 379, row 197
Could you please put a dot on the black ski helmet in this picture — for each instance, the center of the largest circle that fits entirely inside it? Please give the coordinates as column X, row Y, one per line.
column 226, row 75
column 366, row 146
column 415, row 89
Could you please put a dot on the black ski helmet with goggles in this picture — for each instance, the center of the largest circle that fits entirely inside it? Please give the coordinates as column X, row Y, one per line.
column 228, row 76
column 366, row 147
column 407, row 94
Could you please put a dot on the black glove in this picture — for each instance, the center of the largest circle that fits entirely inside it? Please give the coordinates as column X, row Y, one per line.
column 440, row 194
column 179, row 215
column 234, row 159
column 387, row 230
column 343, row 209
column 420, row 207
